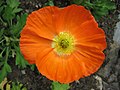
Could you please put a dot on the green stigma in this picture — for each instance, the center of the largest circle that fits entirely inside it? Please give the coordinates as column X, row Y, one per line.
column 63, row 43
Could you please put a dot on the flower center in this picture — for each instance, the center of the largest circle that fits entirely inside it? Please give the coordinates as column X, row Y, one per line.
column 63, row 43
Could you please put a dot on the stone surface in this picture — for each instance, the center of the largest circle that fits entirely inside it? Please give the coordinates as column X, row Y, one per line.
column 116, row 36
column 110, row 72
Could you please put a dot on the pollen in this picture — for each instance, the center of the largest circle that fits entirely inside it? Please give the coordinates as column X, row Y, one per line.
column 63, row 43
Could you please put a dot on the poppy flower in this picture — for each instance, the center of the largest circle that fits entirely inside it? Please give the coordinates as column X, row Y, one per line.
column 66, row 44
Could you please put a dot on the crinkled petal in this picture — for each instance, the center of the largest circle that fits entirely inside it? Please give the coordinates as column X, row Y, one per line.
column 51, row 65
column 90, row 59
column 30, row 44
column 91, row 36
column 71, row 17
column 41, row 22
column 38, row 32
column 64, row 69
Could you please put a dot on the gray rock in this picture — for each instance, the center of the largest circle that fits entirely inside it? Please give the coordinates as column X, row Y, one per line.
column 116, row 36
column 112, row 78
column 106, row 86
column 117, row 67
column 106, row 71
column 110, row 86
column 115, row 86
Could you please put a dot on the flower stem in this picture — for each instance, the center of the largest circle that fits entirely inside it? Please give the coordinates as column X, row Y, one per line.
column 7, row 53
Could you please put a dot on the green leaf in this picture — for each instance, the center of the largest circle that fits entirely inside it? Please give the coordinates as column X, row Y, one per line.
column 1, row 2
column 8, row 15
column 102, row 7
column 1, row 54
column 11, row 9
column 77, row 1
column 16, row 29
column 110, row 5
column 4, row 71
column 18, row 86
column 1, row 9
column 13, row 3
column 56, row 86
column 24, row 88
column 1, row 32
column 16, row 10
column 8, row 68
column 20, row 61
column 13, row 86
column 32, row 67
column 50, row 3
column 1, row 63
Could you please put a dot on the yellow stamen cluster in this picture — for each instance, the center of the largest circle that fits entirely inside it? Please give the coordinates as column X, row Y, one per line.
column 63, row 43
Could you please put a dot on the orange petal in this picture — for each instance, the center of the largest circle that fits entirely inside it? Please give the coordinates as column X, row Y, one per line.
column 51, row 66
column 30, row 44
column 63, row 69
column 90, row 58
column 75, row 69
column 96, row 41
column 91, row 36
column 38, row 32
column 71, row 17
column 88, row 28
column 41, row 22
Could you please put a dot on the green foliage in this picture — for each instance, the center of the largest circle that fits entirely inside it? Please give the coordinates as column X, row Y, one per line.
column 102, row 7
column 11, row 9
column 49, row 3
column 16, row 29
column 32, row 67
column 5, row 69
column 9, row 85
column 76, row 1
column 58, row 86
column 5, row 66
column 98, row 8
column 17, row 86
column 20, row 59
column 11, row 23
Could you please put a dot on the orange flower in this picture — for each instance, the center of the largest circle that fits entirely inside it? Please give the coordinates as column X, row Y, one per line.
column 65, row 44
